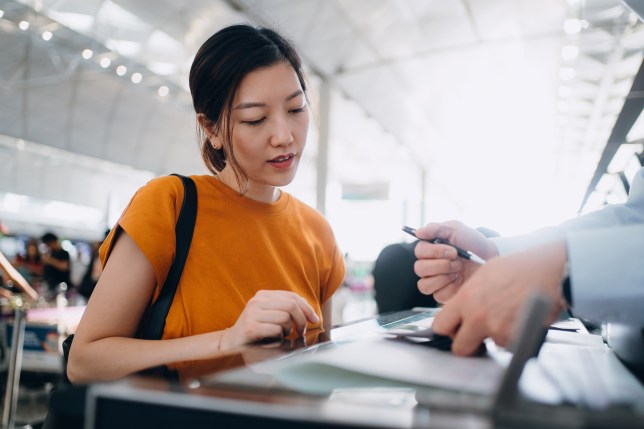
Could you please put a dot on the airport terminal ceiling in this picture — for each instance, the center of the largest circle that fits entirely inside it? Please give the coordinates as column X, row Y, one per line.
column 494, row 112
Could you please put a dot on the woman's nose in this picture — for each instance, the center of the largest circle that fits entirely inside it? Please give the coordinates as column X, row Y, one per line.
column 281, row 132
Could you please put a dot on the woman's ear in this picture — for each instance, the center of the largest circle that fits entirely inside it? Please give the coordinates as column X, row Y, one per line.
column 205, row 123
column 209, row 128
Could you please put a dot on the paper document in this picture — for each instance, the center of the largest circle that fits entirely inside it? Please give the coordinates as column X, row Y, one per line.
column 563, row 373
column 386, row 363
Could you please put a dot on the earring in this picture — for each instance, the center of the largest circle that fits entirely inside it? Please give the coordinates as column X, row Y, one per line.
column 212, row 143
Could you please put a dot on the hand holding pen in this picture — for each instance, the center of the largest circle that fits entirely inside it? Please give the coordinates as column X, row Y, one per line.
column 443, row 254
column 465, row 254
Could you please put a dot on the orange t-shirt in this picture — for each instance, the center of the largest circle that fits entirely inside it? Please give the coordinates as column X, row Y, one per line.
column 239, row 246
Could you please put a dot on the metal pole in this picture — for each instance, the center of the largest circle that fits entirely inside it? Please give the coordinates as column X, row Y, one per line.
column 15, row 365
column 323, row 145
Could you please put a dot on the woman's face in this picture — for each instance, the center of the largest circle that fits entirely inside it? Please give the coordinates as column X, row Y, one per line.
column 32, row 250
column 270, row 121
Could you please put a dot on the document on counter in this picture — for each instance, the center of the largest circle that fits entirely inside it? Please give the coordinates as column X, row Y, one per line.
column 561, row 374
column 382, row 362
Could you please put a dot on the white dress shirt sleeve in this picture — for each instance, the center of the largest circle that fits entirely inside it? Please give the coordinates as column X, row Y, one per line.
column 607, row 273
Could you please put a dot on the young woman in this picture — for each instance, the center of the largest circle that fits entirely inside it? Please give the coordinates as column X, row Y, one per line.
column 261, row 264
column 30, row 264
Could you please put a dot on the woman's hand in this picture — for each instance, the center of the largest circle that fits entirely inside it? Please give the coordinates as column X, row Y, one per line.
column 440, row 269
column 269, row 314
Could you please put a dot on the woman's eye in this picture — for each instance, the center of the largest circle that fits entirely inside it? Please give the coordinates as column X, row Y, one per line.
column 298, row 110
column 256, row 122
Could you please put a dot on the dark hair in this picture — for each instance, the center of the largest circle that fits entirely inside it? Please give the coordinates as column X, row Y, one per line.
column 220, row 65
column 32, row 242
column 49, row 237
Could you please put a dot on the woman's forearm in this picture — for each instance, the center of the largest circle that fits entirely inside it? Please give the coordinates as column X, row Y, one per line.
column 115, row 357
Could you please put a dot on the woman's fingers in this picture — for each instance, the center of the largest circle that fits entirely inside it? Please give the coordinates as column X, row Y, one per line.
column 295, row 306
column 272, row 313
column 280, row 318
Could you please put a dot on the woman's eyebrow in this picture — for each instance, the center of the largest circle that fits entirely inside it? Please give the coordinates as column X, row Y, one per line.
column 251, row 104
column 294, row 94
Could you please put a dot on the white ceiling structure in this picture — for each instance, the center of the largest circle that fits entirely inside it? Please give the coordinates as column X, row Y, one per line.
column 494, row 112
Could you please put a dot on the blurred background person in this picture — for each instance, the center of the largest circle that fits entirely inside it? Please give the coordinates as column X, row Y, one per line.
column 30, row 263
column 57, row 263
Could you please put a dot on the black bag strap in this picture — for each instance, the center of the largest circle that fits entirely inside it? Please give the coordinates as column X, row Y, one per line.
column 152, row 328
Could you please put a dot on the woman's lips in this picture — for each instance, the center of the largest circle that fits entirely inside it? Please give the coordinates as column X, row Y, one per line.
column 283, row 161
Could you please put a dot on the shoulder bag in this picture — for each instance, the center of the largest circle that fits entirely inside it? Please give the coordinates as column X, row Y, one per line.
column 67, row 402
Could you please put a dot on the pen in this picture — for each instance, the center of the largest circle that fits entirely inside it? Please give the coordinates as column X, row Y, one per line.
column 465, row 254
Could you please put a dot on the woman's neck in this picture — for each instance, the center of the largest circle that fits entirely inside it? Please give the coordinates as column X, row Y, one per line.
column 254, row 191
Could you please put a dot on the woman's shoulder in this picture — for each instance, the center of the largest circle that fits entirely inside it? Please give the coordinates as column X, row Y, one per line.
column 302, row 206
column 310, row 214
column 166, row 183
column 164, row 187
column 160, row 197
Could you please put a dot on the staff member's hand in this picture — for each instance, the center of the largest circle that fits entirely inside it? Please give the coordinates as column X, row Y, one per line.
column 440, row 270
column 488, row 304
column 270, row 314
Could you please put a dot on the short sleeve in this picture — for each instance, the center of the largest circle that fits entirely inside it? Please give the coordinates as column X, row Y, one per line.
column 150, row 219
column 336, row 275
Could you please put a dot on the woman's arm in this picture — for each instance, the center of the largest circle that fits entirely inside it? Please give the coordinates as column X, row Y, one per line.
column 104, row 347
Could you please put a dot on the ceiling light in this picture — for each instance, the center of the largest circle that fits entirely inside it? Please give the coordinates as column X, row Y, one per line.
column 46, row 35
column 105, row 62
column 572, row 26
column 136, row 77
column 121, row 70
column 23, row 25
column 163, row 91
column 87, row 54
column 569, row 52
